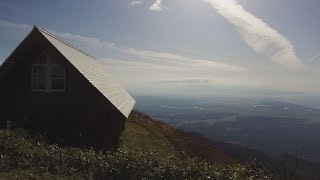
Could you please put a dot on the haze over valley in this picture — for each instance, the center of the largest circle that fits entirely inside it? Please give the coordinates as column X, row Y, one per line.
column 272, row 126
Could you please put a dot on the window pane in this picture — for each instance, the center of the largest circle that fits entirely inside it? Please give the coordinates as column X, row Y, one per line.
column 57, row 76
column 57, row 84
column 56, row 71
column 38, row 77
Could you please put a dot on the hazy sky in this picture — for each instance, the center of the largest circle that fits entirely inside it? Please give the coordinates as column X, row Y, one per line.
column 184, row 46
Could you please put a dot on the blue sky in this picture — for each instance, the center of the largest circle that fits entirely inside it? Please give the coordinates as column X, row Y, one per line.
column 197, row 47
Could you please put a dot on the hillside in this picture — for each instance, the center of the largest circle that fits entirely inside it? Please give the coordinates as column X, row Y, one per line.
column 148, row 149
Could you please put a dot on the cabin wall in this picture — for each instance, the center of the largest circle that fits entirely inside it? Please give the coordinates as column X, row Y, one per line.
column 81, row 115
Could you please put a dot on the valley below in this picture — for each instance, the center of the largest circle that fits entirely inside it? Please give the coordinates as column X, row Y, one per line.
column 274, row 127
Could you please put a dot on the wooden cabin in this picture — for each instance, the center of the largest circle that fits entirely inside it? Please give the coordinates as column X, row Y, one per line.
column 51, row 87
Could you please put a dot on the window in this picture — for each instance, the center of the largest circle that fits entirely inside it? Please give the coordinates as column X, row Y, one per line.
column 48, row 77
column 38, row 77
column 57, row 77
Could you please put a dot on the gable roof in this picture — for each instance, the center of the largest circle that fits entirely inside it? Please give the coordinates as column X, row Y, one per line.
column 93, row 71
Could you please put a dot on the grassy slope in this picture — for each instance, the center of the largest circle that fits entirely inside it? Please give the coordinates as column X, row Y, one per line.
column 148, row 149
column 154, row 133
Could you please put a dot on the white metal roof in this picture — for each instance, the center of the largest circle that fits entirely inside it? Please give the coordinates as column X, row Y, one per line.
column 91, row 69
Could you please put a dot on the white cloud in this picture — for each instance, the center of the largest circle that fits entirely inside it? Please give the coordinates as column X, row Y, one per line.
column 182, row 61
column 257, row 34
column 156, row 71
column 84, row 40
column 7, row 24
column 140, row 66
column 157, row 6
column 135, row 3
column 314, row 58
column 151, row 57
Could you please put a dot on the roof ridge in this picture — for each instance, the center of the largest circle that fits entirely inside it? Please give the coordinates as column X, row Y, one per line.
column 64, row 42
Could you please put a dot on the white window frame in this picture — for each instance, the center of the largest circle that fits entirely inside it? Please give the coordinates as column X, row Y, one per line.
column 48, row 78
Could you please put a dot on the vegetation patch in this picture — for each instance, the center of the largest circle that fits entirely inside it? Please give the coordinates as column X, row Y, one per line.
column 145, row 153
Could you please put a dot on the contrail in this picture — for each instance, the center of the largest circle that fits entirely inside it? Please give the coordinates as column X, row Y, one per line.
column 257, row 34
